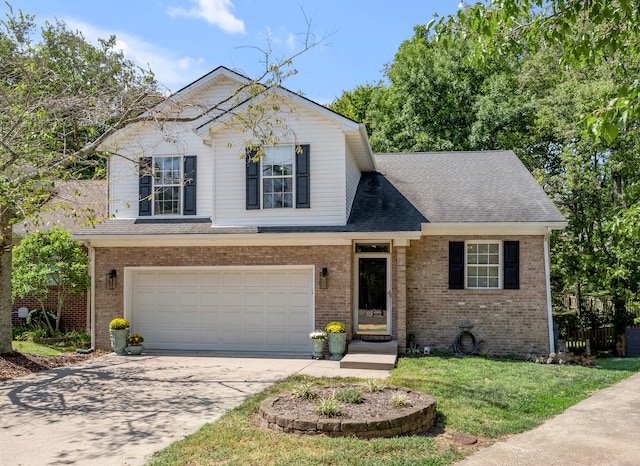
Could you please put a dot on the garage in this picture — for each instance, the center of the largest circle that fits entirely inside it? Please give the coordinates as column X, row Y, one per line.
column 221, row 308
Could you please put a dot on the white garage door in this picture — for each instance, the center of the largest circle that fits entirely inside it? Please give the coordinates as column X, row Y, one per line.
column 238, row 309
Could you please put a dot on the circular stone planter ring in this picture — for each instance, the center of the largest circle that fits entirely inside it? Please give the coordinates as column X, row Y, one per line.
column 417, row 417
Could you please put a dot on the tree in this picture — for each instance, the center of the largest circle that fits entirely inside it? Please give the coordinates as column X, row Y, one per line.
column 49, row 258
column 587, row 31
column 59, row 98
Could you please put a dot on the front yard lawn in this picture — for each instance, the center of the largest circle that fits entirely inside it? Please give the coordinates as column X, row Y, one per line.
column 487, row 398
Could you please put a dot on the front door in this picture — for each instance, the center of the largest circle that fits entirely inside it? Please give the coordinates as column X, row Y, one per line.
column 373, row 306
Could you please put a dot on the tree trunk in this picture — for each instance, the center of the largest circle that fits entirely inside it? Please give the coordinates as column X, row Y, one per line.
column 5, row 283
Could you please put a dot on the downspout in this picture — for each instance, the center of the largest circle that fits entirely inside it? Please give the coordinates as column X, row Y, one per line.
column 547, row 276
column 91, row 307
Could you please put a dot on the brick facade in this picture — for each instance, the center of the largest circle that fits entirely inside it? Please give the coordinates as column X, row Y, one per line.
column 333, row 303
column 74, row 312
column 509, row 321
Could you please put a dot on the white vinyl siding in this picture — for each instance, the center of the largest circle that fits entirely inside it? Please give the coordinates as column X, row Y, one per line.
column 352, row 179
column 124, row 175
column 327, row 176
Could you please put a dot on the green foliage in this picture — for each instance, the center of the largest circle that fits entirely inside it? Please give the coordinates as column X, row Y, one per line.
column 399, row 400
column 348, row 395
column 304, row 390
column 327, row 407
column 17, row 332
column 373, row 385
column 46, row 258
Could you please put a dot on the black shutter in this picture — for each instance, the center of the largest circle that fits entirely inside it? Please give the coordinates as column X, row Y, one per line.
column 511, row 265
column 145, row 185
column 252, row 183
column 303, row 186
column 456, row 265
column 189, row 187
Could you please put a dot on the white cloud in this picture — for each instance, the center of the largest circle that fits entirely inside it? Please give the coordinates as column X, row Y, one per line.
column 170, row 70
column 213, row 12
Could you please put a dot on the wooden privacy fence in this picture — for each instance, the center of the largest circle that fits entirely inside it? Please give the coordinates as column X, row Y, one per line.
column 600, row 339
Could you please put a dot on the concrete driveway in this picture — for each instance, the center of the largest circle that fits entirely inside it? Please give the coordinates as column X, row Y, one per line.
column 116, row 410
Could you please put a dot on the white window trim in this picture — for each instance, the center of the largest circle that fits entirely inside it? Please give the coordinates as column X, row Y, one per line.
column 155, row 187
column 500, row 265
column 292, row 176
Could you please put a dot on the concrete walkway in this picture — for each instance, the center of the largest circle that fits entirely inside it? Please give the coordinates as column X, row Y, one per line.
column 117, row 410
column 604, row 429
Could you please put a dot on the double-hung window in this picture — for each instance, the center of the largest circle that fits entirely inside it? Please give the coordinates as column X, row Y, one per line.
column 483, row 265
column 277, row 177
column 280, row 179
column 167, row 185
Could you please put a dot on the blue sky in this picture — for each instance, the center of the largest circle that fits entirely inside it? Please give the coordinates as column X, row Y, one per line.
column 181, row 40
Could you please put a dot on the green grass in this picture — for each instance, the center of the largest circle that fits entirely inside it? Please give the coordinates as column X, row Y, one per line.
column 29, row 347
column 478, row 396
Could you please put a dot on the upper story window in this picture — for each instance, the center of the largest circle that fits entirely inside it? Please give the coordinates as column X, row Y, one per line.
column 484, row 265
column 277, row 177
column 167, row 185
column 280, row 179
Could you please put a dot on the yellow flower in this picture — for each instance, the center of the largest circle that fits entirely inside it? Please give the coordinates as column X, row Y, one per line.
column 335, row 327
column 119, row 324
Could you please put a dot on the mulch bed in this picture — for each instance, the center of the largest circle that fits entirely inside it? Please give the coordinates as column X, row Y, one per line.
column 17, row 364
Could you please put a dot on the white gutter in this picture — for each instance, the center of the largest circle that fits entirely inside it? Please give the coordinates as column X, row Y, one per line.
column 547, row 276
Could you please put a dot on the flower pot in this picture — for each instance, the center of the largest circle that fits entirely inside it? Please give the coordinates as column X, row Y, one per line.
column 337, row 345
column 119, row 340
column 135, row 349
column 318, row 347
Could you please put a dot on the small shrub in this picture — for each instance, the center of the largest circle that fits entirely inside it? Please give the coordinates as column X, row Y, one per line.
column 328, row 407
column 373, row 385
column 304, row 390
column 36, row 320
column 17, row 332
column 443, row 353
column 348, row 395
column 399, row 400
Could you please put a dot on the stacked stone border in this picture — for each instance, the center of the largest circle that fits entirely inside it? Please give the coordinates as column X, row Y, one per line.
column 415, row 419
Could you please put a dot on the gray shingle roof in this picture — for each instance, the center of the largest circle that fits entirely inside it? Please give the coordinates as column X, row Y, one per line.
column 409, row 190
column 469, row 187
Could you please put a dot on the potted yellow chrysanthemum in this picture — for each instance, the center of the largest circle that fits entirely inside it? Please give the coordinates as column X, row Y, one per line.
column 336, row 332
column 135, row 344
column 118, row 333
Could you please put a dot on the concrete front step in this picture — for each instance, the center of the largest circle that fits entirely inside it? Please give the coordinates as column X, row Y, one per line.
column 368, row 361
column 374, row 347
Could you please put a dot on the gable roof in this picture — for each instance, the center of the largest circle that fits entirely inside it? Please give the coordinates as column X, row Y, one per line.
column 470, row 187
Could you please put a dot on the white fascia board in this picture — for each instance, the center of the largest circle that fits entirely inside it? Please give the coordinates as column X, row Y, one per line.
column 506, row 228
column 248, row 240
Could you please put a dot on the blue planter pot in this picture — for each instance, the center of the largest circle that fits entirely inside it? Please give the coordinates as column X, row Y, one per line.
column 337, row 345
column 135, row 349
column 119, row 340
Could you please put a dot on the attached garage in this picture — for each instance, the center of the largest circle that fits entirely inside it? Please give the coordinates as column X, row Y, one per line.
column 266, row 308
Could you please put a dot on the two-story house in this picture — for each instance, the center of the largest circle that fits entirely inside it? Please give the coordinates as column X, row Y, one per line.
column 209, row 251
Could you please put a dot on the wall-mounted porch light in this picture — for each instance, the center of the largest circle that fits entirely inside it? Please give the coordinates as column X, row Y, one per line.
column 111, row 280
column 324, row 278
